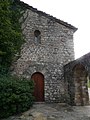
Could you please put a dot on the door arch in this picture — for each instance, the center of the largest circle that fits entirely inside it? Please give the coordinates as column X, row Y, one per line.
column 80, row 82
column 38, row 86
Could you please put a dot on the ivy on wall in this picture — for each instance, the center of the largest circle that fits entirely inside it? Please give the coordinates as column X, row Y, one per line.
column 11, row 37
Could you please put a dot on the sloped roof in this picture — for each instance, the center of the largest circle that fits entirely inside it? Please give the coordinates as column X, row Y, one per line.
column 46, row 15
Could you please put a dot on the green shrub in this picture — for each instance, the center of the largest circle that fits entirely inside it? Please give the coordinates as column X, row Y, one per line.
column 15, row 95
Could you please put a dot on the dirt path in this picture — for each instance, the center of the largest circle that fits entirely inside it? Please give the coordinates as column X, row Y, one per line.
column 54, row 112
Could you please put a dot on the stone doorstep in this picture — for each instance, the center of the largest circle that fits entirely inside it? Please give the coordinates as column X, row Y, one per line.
column 39, row 103
column 62, row 104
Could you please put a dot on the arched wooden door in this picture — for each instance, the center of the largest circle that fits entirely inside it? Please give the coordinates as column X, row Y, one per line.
column 39, row 86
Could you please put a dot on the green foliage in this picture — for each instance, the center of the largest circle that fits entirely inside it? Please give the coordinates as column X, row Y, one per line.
column 88, row 83
column 10, row 31
column 15, row 95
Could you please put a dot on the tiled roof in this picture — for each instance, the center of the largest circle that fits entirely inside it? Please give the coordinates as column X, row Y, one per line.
column 46, row 15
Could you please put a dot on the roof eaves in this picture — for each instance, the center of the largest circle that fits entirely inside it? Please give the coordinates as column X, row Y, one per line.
column 47, row 15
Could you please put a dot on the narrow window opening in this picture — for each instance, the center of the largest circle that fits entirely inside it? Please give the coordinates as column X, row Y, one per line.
column 37, row 37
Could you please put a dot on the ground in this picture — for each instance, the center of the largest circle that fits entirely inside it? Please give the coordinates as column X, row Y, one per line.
column 56, row 111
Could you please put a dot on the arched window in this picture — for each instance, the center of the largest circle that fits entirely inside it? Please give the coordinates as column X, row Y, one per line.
column 37, row 37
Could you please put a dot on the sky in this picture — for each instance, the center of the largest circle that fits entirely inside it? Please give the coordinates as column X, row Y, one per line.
column 76, row 13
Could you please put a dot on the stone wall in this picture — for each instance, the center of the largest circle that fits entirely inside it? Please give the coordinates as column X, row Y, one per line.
column 49, row 56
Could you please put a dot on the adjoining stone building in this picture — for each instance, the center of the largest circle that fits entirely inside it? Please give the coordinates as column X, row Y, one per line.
column 48, row 47
column 77, row 75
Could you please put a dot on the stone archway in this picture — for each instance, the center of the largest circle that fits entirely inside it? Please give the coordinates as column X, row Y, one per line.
column 39, row 86
column 80, row 82
column 88, row 80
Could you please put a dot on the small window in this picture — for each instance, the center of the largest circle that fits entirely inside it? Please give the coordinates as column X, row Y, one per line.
column 37, row 36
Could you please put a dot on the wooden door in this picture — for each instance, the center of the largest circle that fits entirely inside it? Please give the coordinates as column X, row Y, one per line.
column 39, row 86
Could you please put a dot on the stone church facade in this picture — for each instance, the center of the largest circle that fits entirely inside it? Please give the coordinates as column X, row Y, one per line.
column 48, row 47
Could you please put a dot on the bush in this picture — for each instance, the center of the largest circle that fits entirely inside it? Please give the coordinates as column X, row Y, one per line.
column 15, row 95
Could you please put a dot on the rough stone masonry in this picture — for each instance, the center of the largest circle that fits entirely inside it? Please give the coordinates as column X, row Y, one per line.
column 48, row 47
